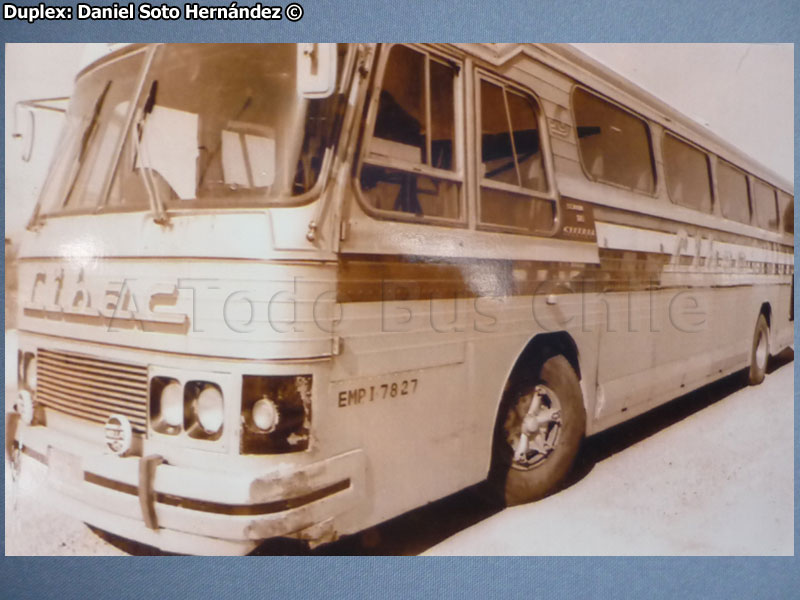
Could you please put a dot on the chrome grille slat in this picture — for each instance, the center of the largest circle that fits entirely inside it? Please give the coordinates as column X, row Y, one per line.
column 88, row 402
column 124, row 379
column 74, row 413
column 99, row 362
column 91, row 388
column 92, row 367
column 85, row 376
column 97, row 416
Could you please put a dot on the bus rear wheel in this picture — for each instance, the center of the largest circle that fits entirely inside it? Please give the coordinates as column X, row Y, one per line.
column 539, row 431
column 759, row 353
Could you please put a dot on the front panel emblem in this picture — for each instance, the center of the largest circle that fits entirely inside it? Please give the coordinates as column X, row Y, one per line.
column 119, row 434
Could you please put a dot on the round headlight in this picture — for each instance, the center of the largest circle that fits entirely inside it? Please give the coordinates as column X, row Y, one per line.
column 172, row 404
column 30, row 373
column 265, row 415
column 209, row 409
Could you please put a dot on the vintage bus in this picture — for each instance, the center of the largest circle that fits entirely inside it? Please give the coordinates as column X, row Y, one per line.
column 297, row 290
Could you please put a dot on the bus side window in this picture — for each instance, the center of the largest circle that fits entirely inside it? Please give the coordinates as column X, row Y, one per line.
column 733, row 193
column 512, row 166
column 786, row 211
column 410, row 165
column 614, row 144
column 687, row 174
column 765, row 205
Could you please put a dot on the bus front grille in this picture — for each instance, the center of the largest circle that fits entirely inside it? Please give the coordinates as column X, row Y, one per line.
column 91, row 388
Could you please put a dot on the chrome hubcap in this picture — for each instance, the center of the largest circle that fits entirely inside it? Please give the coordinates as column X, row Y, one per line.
column 533, row 427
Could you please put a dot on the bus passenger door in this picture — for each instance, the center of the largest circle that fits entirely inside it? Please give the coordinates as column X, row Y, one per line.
column 399, row 381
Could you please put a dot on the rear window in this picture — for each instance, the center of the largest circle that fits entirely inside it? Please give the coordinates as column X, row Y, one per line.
column 733, row 196
column 765, row 205
column 687, row 176
column 614, row 144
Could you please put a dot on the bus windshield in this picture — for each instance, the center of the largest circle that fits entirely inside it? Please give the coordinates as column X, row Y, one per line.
column 214, row 126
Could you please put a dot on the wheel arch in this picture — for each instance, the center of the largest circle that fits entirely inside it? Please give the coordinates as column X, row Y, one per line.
column 766, row 310
column 544, row 345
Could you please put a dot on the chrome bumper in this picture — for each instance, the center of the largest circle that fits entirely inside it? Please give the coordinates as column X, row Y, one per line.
column 186, row 510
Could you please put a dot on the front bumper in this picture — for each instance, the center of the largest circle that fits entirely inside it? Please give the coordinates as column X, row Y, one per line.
column 189, row 510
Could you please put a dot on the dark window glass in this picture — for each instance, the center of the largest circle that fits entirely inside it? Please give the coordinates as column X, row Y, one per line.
column 512, row 165
column 509, row 209
column 765, row 205
column 786, row 209
column 400, row 125
column 400, row 191
column 526, row 142
column 733, row 194
column 442, row 115
column 496, row 150
column 414, row 131
column 687, row 176
column 614, row 144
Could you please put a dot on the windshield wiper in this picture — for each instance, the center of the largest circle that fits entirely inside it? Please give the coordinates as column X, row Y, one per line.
column 88, row 135
column 159, row 213
column 150, row 103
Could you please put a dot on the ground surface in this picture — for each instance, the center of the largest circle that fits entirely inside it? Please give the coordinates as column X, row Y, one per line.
column 711, row 473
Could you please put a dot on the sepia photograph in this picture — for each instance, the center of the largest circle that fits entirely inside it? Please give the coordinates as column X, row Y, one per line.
column 458, row 299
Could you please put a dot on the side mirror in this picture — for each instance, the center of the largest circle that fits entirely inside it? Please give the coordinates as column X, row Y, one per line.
column 25, row 131
column 316, row 70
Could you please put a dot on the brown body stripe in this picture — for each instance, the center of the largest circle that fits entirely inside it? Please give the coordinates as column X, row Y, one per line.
column 263, row 508
column 376, row 278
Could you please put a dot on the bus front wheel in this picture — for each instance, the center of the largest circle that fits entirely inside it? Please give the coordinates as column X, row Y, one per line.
column 759, row 353
column 539, row 431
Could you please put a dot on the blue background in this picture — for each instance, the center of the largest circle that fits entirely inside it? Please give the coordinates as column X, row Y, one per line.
column 443, row 578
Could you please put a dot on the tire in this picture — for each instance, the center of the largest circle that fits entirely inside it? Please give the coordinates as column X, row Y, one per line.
column 517, row 478
column 759, row 352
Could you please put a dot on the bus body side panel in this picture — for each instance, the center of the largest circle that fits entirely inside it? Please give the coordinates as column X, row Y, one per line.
column 429, row 339
column 422, row 403
column 677, row 291
column 696, row 298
